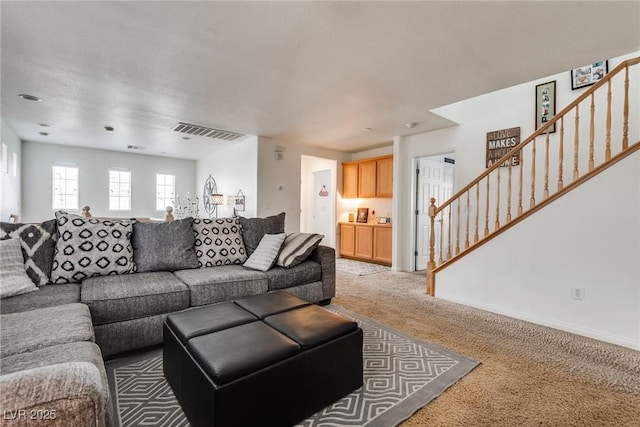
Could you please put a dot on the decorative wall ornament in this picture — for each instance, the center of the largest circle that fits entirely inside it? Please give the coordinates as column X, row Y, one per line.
column 239, row 202
column 499, row 143
column 210, row 188
column 323, row 191
column 545, row 104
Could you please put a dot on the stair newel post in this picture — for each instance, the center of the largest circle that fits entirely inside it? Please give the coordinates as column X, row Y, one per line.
column 431, row 265
column 625, row 117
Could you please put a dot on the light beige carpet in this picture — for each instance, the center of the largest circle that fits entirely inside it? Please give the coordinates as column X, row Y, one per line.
column 529, row 375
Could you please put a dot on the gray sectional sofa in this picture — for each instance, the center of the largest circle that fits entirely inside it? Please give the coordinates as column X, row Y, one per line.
column 104, row 287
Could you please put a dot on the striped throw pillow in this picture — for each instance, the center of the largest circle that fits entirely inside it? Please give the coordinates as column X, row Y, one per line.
column 266, row 253
column 297, row 247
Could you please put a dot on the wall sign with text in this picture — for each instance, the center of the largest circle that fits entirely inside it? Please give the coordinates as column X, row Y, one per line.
column 499, row 143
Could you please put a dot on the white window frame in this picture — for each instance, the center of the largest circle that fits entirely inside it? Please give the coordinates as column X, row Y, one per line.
column 119, row 189
column 165, row 192
column 65, row 194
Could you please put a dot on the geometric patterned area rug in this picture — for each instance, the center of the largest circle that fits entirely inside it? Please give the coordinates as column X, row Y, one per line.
column 358, row 267
column 401, row 375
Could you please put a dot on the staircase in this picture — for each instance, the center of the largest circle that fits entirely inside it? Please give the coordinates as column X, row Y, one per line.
column 587, row 137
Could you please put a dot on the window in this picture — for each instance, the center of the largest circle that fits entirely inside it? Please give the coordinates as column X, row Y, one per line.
column 65, row 187
column 165, row 190
column 119, row 190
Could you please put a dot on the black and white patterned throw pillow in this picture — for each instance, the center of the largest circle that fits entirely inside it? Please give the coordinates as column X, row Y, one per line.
column 219, row 242
column 38, row 243
column 90, row 247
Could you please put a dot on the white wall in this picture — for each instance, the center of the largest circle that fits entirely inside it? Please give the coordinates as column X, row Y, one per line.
column 234, row 168
column 94, row 179
column 589, row 238
column 11, row 179
column 279, row 181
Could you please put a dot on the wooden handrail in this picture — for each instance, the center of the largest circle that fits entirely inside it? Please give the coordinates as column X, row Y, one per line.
column 544, row 176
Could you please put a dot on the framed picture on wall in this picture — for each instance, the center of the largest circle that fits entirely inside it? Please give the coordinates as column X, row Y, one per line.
column 545, row 104
column 589, row 74
column 363, row 215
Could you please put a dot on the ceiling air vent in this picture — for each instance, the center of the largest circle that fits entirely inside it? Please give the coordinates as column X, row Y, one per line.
column 196, row 130
column 134, row 147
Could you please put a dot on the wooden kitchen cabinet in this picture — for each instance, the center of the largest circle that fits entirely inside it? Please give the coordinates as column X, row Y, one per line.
column 382, row 244
column 347, row 240
column 366, row 242
column 349, row 180
column 384, row 177
column 368, row 178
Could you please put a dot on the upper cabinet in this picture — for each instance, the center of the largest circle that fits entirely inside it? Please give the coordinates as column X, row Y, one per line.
column 368, row 178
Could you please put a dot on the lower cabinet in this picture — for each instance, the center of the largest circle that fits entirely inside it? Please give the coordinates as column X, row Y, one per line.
column 367, row 242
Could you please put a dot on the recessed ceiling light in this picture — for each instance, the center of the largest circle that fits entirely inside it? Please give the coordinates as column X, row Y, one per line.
column 186, row 138
column 44, row 125
column 366, row 129
column 108, row 128
column 411, row 125
column 43, row 133
column 29, row 97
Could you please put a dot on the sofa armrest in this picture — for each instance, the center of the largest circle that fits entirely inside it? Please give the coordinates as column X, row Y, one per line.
column 326, row 256
column 64, row 394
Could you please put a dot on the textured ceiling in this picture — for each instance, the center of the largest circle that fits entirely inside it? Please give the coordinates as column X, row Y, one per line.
column 312, row 73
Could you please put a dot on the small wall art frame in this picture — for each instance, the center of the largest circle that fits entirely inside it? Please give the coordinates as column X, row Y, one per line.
column 239, row 201
column 363, row 215
column 545, row 104
column 589, row 74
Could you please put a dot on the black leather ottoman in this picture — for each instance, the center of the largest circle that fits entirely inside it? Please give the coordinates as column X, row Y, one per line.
column 267, row 360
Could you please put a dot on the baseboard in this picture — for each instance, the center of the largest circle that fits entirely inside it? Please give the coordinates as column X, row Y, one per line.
column 551, row 323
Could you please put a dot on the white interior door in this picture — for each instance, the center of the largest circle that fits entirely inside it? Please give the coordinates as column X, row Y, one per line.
column 434, row 179
column 321, row 205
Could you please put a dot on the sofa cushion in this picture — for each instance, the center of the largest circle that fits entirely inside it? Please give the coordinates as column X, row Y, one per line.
column 226, row 283
column 297, row 247
column 254, row 228
column 164, row 246
column 282, row 278
column 266, row 253
column 38, row 243
column 118, row 298
column 218, row 241
column 47, row 296
column 89, row 247
column 75, row 352
column 44, row 327
column 13, row 277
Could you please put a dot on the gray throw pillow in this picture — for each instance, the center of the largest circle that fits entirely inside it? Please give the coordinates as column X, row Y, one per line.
column 266, row 253
column 254, row 228
column 164, row 246
column 38, row 242
column 91, row 247
column 297, row 247
column 13, row 277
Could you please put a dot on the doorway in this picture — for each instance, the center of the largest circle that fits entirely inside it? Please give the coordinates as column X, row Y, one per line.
column 434, row 178
column 318, row 183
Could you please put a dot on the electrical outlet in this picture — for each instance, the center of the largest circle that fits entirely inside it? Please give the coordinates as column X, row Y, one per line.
column 577, row 293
